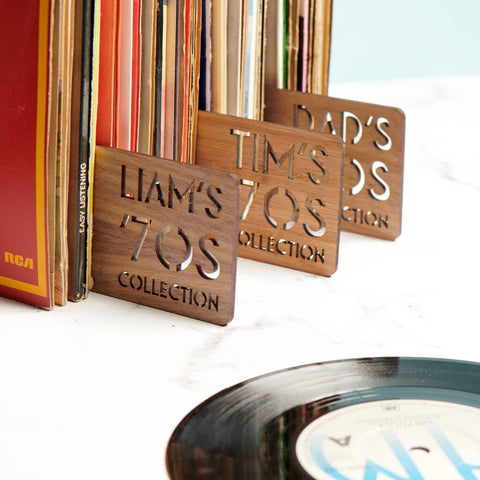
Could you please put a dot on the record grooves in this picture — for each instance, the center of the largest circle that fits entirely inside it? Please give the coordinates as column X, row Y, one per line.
column 407, row 418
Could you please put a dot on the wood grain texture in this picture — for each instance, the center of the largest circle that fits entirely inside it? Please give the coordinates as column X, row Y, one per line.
column 374, row 137
column 291, row 182
column 187, row 217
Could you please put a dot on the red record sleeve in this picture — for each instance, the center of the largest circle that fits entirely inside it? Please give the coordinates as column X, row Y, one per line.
column 135, row 73
column 106, row 74
column 24, row 72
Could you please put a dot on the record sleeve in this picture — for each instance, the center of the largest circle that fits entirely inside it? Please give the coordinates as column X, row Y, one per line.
column 365, row 419
column 106, row 74
column 83, row 137
column 27, row 166
column 146, row 108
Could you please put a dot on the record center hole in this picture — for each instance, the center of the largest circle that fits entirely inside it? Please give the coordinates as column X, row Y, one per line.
column 419, row 451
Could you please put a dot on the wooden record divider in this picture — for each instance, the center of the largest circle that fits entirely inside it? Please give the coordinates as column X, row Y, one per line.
column 165, row 234
column 291, row 188
column 374, row 137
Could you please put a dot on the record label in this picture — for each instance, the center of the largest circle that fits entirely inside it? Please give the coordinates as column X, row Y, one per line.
column 407, row 439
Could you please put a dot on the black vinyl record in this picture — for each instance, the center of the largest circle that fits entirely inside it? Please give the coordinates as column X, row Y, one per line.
column 363, row 419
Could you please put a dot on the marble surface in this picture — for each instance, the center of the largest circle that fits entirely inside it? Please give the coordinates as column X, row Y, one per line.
column 94, row 389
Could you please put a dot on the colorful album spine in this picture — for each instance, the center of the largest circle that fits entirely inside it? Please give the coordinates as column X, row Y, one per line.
column 24, row 252
column 106, row 79
column 124, row 76
column 193, row 88
column 147, row 76
column 84, row 110
column 159, row 136
column 135, row 73
column 205, row 94
column 95, row 54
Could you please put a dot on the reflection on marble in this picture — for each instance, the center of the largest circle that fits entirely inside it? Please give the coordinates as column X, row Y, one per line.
column 94, row 389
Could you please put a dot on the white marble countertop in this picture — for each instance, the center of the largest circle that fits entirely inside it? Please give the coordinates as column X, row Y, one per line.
column 94, row 390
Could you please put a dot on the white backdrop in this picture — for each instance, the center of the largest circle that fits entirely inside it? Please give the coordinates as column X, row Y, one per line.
column 385, row 39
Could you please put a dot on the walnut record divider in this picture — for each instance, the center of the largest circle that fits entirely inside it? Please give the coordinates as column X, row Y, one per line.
column 291, row 186
column 374, row 137
column 165, row 234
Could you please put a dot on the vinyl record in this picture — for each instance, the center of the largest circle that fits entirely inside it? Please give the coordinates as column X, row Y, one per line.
column 365, row 419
